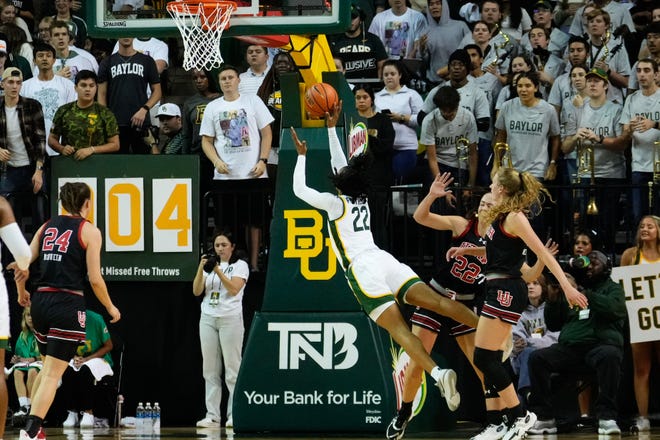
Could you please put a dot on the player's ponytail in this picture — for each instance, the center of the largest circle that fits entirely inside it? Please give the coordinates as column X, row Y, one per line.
column 524, row 193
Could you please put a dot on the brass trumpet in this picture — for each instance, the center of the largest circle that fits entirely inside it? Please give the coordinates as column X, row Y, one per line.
column 462, row 152
column 498, row 57
column 606, row 50
column 585, row 165
column 656, row 172
column 501, row 151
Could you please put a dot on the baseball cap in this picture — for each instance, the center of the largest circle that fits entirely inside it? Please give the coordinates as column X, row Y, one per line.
column 543, row 4
column 169, row 110
column 600, row 73
column 12, row 71
column 356, row 11
column 3, row 46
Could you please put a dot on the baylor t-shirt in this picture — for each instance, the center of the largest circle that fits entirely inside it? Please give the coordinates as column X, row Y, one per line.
column 528, row 129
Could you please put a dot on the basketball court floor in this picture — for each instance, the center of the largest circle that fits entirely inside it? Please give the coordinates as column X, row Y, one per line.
column 461, row 433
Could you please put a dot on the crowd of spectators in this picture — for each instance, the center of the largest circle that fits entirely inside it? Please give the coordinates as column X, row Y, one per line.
column 549, row 85
column 586, row 113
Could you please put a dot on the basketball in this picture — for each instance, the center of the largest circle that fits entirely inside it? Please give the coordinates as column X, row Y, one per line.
column 319, row 99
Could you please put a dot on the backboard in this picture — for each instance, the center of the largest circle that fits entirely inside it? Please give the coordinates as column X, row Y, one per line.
column 253, row 17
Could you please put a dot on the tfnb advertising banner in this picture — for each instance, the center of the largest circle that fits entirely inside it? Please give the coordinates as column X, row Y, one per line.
column 314, row 372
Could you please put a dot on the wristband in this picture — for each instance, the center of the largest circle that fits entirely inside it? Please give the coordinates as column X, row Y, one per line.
column 264, row 160
column 602, row 139
column 93, row 150
column 146, row 107
column 553, row 161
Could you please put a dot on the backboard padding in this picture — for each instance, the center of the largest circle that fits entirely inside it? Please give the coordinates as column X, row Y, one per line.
column 283, row 17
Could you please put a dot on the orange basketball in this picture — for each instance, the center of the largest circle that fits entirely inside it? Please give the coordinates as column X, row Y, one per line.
column 319, row 99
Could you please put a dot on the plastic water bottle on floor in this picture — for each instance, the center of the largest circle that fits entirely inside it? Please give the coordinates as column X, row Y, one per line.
column 139, row 418
column 148, row 419
column 156, row 413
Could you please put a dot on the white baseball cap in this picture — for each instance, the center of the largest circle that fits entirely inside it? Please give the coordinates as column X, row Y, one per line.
column 169, row 109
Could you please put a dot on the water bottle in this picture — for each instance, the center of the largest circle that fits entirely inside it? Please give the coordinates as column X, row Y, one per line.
column 148, row 419
column 156, row 418
column 139, row 418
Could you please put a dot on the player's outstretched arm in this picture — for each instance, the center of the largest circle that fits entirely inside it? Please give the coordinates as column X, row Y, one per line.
column 332, row 118
column 325, row 201
column 424, row 216
column 301, row 146
column 337, row 157
column 519, row 225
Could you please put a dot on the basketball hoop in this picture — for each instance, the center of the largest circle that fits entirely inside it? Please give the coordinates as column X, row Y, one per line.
column 201, row 23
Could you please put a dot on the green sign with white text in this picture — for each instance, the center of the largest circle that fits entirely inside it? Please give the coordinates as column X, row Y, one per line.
column 147, row 208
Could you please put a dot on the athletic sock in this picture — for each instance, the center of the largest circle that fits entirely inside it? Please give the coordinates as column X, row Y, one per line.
column 404, row 412
column 494, row 417
column 32, row 425
column 514, row 413
column 436, row 373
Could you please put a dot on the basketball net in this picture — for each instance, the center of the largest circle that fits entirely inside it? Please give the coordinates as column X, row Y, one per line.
column 201, row 23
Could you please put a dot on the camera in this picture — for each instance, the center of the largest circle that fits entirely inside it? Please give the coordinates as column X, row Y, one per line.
column 567, row 262
column 211, row 260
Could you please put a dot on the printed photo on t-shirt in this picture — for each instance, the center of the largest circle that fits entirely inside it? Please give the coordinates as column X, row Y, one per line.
column 235, row 128
column 396, row 38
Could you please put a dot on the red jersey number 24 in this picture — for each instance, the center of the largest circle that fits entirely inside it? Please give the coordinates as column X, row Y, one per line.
column 52, row 239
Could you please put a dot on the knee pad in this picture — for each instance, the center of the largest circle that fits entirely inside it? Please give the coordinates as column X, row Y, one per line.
column 490, row 364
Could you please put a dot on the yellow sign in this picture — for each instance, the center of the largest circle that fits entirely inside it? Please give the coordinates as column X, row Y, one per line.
column 305, row 240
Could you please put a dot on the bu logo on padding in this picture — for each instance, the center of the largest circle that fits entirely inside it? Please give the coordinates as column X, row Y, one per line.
column 331, row 345
column 305, row 240
column 504, row 298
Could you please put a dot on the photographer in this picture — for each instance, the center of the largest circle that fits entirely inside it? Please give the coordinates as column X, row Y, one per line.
column 590, row 342
column 222, row 277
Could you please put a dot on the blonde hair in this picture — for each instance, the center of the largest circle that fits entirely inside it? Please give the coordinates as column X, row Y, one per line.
column 523, row 194
column 638, row 238
column 25, row 330
column 24, row 326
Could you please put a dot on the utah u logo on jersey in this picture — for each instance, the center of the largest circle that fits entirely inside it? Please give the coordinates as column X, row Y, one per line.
column 490, row 232
column 504, row 298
